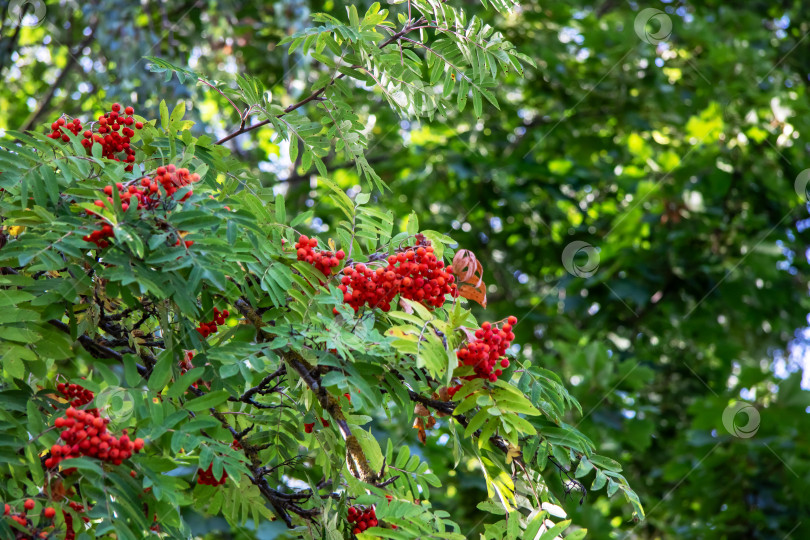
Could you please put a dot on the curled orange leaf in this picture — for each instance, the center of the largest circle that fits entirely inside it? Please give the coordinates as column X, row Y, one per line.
column 470, row 274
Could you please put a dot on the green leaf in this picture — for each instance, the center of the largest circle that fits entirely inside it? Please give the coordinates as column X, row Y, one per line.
column 177, row 114
column 476, row 422
column 212, row 399
column 184, row 382
column 280, row 212
column 599, row 481
column 605, row 463
column 583, row 468
column 556, row 530
column 164, row 115
column 371, row 448
column 161, row 373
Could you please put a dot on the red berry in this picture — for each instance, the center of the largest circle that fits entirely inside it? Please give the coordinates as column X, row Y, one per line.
column 29, row 504
column 49, row 513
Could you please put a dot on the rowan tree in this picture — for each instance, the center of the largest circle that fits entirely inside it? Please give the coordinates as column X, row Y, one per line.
column 175, row 345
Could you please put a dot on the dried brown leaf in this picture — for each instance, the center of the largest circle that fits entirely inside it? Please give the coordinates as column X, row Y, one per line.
column 470, row 274
column 419, row 424
column 466, row 266
column 421, row 410
column 406, row 306
column 469, row 332
column 476, row 294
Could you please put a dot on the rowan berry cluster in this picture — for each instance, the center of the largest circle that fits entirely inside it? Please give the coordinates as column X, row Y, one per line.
column 76, row 395
column 56, row 129
column 309, row 426
column 79, row 508
column 322, row 260
column 146, row 194
column 206, row 329
column 414, row 273
column 86, row 435
column 100, row 236
column 186, row 365
column 206, row 477
column 485, row 354
column 112, row 132
column 362, row 519
column 20, row 517
column 41, row 531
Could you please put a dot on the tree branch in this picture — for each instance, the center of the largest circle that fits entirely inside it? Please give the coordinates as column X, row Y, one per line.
column 355, row 457
column 317, row 93
column 34, row 117
column 98, row 350
column 448, row 407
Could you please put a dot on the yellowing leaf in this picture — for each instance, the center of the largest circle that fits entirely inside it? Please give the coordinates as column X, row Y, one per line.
column 512, row 452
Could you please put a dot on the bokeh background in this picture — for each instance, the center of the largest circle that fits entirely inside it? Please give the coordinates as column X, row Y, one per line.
column 638, row 202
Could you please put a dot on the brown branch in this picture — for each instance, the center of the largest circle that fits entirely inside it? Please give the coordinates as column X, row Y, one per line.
column 317, row 93
column 261, row 388
column 448, row 407
column 14, row 39
column 282, row 503
column 355, row 457
column 115, row 330
column 291, row 108
column 96, row 349
column 34, row 117
column 606, row 8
